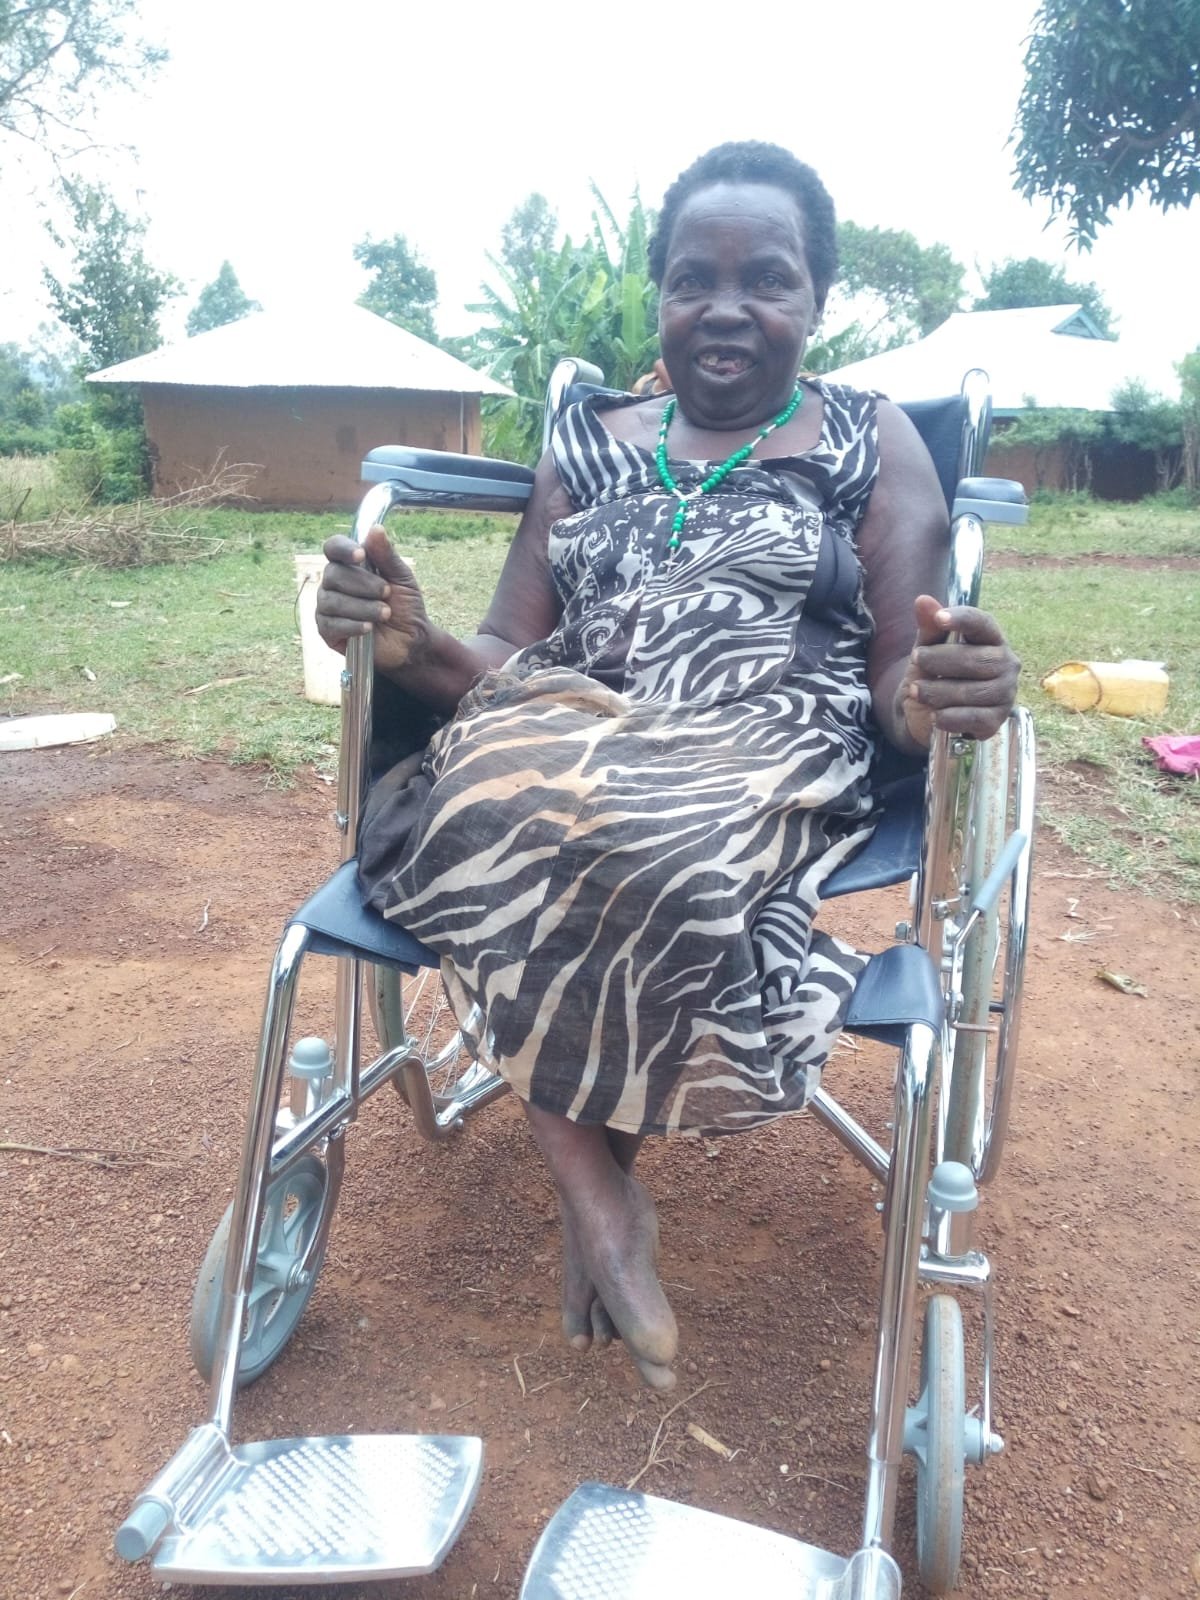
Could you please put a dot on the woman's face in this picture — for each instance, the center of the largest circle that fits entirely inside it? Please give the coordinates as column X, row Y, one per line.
column 737, row 304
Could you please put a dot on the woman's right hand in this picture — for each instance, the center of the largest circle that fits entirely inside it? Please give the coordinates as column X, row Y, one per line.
column 368, row 587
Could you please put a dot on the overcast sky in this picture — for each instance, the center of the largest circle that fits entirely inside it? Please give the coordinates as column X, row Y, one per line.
column 280, row 134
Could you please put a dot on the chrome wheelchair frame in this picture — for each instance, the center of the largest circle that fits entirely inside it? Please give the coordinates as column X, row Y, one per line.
column 946, row 994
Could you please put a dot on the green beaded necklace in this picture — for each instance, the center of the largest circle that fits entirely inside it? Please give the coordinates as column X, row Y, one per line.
column 719, row 474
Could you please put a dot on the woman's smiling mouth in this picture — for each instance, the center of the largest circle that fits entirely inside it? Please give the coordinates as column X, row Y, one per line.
column 724, row 363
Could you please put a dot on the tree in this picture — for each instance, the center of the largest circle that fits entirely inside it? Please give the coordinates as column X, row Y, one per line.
column 22, row 405
column 528, row 235
column 402, row 288
column 56, row 55
column 1011, row 284
column 891, row 288
column 1189, row 384
column 112, row 303
column 1110, row 108
column 593, row 300
column 1149, row 421
column 219, row 302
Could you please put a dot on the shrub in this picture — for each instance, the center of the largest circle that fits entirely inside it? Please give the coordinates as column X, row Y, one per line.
column 18, row 440
column 101, row 462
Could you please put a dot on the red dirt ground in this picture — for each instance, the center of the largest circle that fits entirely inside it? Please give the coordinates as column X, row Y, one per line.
column 130, row 1028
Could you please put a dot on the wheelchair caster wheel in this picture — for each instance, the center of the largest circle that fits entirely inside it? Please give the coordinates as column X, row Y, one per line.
column 941, row 1455
column 297, row 1210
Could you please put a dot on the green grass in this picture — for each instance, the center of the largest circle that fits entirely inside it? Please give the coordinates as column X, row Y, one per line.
column 1073, row 525
column 233, row 616
column 29, row 487
column 1102, row 793
column 178, row 627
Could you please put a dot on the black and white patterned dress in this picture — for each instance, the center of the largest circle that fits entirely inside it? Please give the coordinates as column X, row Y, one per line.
column 627, row 830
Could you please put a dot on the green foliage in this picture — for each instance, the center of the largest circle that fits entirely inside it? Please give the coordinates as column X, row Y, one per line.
column 1180, row 498
column 1011, row 284
column 55, row 58
column 1110, row 108
column 402, row 288
column 102, row 452
column 594, row 300
column 33, row 385
column 527, row 235
column 1149, row 421
column 219, row 302
column 112, row 303
column 18, row 439
column 892, row 288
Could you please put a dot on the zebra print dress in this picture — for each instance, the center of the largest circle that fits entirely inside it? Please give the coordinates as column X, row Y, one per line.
column 628, row 828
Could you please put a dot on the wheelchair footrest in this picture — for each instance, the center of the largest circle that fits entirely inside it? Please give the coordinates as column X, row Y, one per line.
column 327, row 1510
column 612, row 1544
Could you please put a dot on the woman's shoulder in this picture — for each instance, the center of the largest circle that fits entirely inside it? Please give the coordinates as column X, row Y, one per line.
column 858, row 402
column 599, row 444
column 632, row 417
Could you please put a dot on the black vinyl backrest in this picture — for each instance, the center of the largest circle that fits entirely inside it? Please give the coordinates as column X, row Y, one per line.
column 939, row 422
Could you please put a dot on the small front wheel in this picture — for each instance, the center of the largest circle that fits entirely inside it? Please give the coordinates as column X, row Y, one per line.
column 940, row 1448
column 297, row 1210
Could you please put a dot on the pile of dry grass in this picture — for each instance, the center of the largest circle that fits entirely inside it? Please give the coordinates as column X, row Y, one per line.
column 143, row 533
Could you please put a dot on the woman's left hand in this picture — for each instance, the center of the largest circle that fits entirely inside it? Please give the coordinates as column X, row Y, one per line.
column 965, row 685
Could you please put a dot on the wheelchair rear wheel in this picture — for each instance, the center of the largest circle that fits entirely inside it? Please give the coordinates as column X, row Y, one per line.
column 940, row 1460
column 992, row 960
column 297, row 1211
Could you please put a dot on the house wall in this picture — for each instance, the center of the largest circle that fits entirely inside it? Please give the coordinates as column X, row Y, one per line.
column 1118, row 472
column 1044, row 468
column 306, row 444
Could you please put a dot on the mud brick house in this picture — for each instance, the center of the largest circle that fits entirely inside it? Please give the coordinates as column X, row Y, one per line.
column 302, row 398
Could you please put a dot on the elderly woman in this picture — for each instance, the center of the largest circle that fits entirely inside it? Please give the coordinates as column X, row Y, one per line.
column 716, row 604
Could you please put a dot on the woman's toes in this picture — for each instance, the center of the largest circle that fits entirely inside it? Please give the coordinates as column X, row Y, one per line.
column 577, row 1330
column 655, row 1376
column 604, row 1330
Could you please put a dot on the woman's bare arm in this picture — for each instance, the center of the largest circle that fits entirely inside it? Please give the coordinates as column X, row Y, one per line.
column 370, row 587
column 919, row 676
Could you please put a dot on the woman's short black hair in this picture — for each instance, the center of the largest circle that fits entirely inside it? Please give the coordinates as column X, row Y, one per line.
column 753, row 162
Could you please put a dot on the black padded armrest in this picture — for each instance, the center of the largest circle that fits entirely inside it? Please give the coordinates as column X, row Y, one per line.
column 440, row 478
column 991, row 500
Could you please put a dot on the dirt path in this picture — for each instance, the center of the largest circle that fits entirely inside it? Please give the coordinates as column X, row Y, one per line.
column 141, row 899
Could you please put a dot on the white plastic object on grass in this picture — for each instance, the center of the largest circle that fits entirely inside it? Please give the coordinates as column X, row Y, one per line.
column 322, row 666
column 67, row 727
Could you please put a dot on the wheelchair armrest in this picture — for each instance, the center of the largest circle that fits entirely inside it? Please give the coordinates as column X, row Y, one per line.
column 991, row 500
column 440, row 478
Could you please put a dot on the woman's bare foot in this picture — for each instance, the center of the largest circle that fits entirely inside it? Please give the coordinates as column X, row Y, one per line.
column 610, row 1245
column 584, row 1318
column 616, row 1232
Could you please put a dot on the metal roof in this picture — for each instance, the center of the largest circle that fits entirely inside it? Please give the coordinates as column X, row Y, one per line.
column 1034, row 357
column 340, row 347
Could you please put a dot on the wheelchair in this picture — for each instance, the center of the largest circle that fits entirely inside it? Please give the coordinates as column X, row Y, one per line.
column 946, row 994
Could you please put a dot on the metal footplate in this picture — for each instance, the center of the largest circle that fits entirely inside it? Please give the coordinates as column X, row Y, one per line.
column 610, row 1544
column 312, row 1511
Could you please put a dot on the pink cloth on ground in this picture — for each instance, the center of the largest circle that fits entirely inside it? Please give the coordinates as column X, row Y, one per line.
column 1176, row 752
